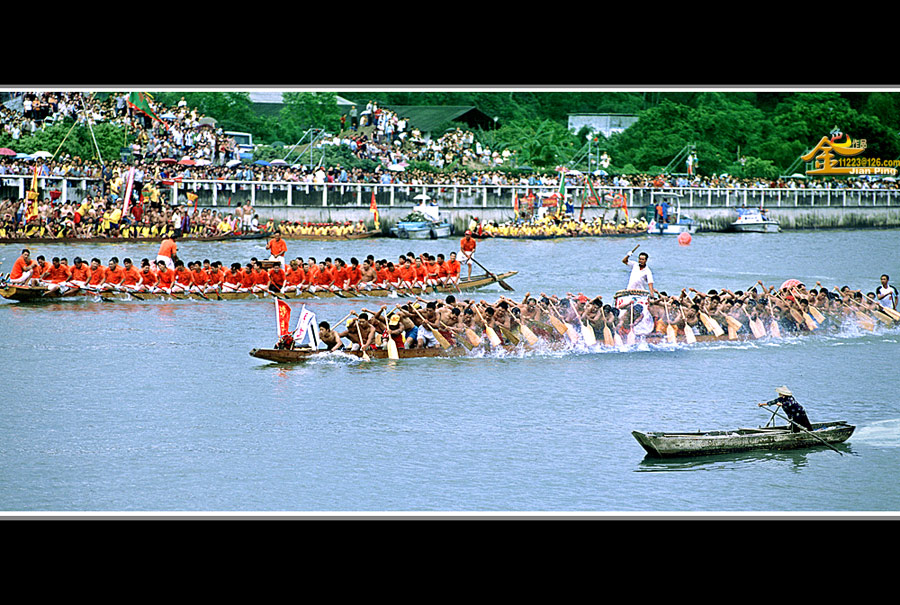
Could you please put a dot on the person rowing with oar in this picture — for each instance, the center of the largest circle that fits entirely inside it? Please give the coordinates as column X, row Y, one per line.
column 795, row 412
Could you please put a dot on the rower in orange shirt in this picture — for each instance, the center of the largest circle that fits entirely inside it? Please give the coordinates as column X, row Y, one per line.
column 80, row 274
column 276, row 278
column 148, row 277
column 453, row 270
column 233, row 280
column 23, row 269
column 293, row 279
column 98, row 276
column 277, row 247
column 407, row 275
column 339, row 275
column 354, row 274
column 165, row 278
column 442, row 270
column 324, row 279
column 184, row 279
column 115, row 275
column 247, row 278
column 261, row 281
column 200, row 277
column 56, row 276
column 132, row 276
column 213, row 278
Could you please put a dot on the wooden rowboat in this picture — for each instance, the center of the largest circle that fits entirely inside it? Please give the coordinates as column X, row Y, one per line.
column 704, row 443
column 40, row 293
column 330, row 238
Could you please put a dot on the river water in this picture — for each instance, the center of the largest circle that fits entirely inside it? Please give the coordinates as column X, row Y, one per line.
column 157, row 406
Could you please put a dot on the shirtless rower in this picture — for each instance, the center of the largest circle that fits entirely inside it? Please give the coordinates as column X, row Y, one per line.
column 329, row 337
column 367, row 275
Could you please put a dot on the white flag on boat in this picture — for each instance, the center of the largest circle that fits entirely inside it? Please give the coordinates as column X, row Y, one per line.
column 307, row 326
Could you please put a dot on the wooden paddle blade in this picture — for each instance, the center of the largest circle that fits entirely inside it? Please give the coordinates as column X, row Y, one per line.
column 559, row 325
column 587, row 332
column 473, row 337
column 530, row 336
column 817, row 315
column 689, row 334
column 441, row 339
column 774, row 330
column 670, row 334
column 608, row 337
column 509, row 335
column 392, row 349
column 493, row 338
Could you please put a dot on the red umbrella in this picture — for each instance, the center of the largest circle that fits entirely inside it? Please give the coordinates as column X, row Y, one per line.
column 186, row 161
column 167, row 161
column 7, row 151
column 791, row 283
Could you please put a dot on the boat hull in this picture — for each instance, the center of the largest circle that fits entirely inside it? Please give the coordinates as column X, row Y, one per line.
column 760, row 227
column 671, row 228
column 421, row 230
column 673, row 445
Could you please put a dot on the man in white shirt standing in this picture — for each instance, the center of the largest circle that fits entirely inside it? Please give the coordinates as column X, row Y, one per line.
column 641, row 277
column 887, row 294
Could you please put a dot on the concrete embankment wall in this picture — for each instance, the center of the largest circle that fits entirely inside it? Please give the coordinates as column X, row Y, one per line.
column 710, row 219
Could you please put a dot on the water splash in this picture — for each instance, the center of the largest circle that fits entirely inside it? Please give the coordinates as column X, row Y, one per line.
column 885, row 433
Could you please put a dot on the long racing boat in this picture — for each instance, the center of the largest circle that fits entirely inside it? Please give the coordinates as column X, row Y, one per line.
column 41, row 293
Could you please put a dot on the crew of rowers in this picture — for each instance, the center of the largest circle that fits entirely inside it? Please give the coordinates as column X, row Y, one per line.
column 554, row 226
column 170, row 275
column 420, row 323
column 298, row 229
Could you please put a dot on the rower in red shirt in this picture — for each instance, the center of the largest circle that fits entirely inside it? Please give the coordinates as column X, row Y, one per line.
column 294, row 277
column 247, row 281
column 148, row 277
column 467, row 246
column 115, row 275
column 453, row 270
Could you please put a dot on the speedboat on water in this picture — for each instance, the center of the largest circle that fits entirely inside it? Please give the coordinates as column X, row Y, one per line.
column 755, row 220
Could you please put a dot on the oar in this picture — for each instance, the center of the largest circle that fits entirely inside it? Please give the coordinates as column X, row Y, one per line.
column 775, row 413
column 503, row 284
column 492, row 336
column 688, row 330
column 440, row 337
column 670, row 329
column 773, row 324
column 468, row 345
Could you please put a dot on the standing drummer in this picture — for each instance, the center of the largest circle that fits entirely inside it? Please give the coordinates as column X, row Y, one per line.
column 791, row 407
column 641, row 277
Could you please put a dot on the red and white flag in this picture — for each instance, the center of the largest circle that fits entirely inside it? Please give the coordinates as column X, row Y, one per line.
column 128, row 188
column 282, row 317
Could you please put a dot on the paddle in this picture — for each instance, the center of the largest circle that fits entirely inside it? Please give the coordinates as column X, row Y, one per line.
column 670, row 329
column 773, row 325
column 688, row 330
column 440, row 337
column 461, row 341
column 492, row 336
column 711, row 324
column 503, row 284
column 804, row 429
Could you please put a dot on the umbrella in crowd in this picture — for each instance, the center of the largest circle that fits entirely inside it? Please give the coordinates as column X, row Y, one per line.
column 186, row 161
column 232, row 163
column 791, row 283
column 7, row 151
column 42, row 154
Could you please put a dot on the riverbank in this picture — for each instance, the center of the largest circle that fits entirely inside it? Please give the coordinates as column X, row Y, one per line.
column 710, row 219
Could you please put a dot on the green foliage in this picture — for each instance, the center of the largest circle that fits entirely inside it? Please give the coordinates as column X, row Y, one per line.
column 61, row 138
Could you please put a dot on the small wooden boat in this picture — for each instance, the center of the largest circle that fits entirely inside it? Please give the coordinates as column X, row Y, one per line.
column 703, row 443
column 41, row 293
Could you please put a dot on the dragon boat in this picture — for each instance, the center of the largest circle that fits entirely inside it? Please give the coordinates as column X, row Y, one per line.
column 41, row 293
